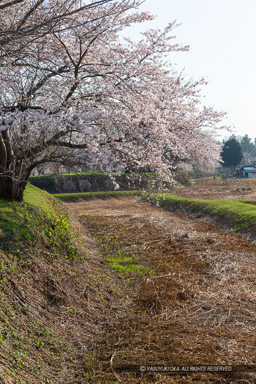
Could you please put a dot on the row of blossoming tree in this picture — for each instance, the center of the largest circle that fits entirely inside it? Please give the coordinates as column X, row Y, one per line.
column 75, row 91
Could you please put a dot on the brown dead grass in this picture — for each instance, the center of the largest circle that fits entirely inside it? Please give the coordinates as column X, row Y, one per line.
column 227, row 189
column 197, row 308
column 65, row 304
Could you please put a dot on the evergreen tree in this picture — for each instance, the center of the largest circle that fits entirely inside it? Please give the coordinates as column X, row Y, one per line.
column 231, row 153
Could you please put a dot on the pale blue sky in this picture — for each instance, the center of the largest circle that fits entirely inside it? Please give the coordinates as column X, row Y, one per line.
column 222, row 39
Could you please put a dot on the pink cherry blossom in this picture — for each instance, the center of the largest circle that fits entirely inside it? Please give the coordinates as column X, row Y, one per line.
column 75, row 92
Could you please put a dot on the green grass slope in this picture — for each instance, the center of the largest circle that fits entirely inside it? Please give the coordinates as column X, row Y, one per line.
column 39, row 220
column 34, row 235
column 92, row 173
column 73, row 197
column 46, row 323
column 240, row 215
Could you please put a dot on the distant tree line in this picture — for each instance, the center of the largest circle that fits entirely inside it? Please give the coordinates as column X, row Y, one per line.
column 238, row 150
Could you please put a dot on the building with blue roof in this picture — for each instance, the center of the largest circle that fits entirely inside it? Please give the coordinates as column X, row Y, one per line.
column 248, row 171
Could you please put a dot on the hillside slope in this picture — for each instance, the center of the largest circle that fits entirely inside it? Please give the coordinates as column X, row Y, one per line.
column 54, row 296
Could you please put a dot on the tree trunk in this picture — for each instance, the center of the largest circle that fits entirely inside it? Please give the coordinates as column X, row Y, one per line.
column 11, row 188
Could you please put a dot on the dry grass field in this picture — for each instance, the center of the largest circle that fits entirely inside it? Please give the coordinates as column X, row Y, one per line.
column 190, row 297
column 212, row 189
column 91, row 296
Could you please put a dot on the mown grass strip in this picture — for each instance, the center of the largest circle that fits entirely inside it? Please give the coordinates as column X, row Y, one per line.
column 239, row 215
column 73, row 197
column 50, row 175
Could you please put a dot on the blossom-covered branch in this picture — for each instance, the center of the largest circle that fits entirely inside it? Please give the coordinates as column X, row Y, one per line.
column 83, row 94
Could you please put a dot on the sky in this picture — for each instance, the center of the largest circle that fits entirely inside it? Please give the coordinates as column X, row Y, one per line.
column 222, row 39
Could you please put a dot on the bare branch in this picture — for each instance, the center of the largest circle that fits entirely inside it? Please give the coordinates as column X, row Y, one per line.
column 40, row 84
column 11, row 3
column 29, row 13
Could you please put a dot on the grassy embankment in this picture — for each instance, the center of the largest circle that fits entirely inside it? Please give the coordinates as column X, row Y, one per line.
column 73, row 197
column 38, row 218
column 92, row 173
column 55, row 298
column 239, row 215
column 36, row 242
column 47, row 324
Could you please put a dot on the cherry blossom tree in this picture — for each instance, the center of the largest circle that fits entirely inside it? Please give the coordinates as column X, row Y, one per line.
column 23, row 21
column 84, row 95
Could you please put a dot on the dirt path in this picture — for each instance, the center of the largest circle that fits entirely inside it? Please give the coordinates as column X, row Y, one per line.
column 191, row 291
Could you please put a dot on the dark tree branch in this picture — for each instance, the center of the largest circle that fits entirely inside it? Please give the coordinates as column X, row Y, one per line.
column 29, row 13
column 33, row 90
column 8, row 146
column 72, row 90
column 36, row 29
column 51, row 142
column 3, row 155
column 13, row 2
